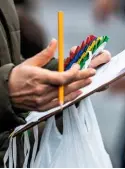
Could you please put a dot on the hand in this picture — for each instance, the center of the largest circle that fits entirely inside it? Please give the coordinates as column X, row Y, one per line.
column 34, row 88
column 102, row 58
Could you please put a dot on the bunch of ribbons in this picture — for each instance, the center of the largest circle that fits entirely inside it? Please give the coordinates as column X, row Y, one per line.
column 81, row 54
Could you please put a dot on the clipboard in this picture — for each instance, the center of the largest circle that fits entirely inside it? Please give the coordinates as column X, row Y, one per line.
column 105, row 75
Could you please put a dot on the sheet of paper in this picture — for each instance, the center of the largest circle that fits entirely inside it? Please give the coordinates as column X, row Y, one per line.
column 104, row 75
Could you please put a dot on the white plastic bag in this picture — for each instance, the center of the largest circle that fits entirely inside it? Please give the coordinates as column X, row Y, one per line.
column 81, row 144
column 48, row 144
column 64, row 151
column 94, row 134
column 8, row 155
column 11, row 154
column 35, row 147
column 73, row 151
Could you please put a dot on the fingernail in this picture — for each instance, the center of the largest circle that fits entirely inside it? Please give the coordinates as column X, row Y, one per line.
column 79, row 92
column 76, row 66
column 93, row 71
column 88, row 81
column 90, row 65
column 51, row 42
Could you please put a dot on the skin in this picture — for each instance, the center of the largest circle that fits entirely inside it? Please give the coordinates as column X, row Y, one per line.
column 33, row 88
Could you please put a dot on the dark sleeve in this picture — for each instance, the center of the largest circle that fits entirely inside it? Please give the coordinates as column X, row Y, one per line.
column 9, row 119
column 33, row 36
column 52, row 65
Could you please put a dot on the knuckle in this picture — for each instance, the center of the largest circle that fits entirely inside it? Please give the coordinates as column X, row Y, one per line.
column 61, row 80
column 68, row 78
column 90, row 72
column 38, row 90
column 72, row 77
column 73, row 74
column 38, row 101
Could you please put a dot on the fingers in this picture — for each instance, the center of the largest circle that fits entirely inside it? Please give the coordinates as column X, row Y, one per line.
column 38, row 100
column 67, row 77
column 55, row 103
column 57, row 78
column 38, row 90
column 42, row 58
column 105, row 57
column 35, row 101
column 48, row 105
column 84, row 74
column 68, row 89
column 77, row 85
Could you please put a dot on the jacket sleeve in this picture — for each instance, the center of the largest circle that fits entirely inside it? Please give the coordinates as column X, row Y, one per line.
column 52, row 65
column 8, row 118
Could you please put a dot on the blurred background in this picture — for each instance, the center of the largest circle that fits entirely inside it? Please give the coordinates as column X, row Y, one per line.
column 80, row 21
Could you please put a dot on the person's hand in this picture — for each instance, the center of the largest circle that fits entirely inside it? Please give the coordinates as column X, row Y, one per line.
column 99, row 60
column 102, row 58
column 104, row 8
column 34, row 88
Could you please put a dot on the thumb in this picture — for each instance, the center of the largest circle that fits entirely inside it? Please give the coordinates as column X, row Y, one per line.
column 42, row 58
